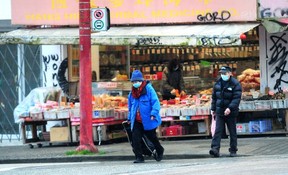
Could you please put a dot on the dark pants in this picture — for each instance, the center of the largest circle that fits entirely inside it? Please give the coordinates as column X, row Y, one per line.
column 137, row 134
column 220, row 127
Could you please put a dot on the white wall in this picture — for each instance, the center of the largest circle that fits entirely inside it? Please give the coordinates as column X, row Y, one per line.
column 5, row 9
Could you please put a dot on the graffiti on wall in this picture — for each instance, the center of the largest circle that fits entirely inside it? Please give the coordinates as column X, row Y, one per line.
column 50, row 69
column 214, row 16
column 277, row 54
column 148, row 41
column 216, row 41
column 273, row 9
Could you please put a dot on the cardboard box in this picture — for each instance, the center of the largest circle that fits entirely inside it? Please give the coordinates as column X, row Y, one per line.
column 201, row 127
column 59, row 134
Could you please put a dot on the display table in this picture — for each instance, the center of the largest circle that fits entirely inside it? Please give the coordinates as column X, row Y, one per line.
column 63, row 137
column 103, row 129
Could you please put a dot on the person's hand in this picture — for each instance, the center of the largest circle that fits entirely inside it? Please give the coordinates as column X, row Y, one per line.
column 152, row 117
column 213, row 114
column 128, row 122
column 173, row 91
column 227, row 112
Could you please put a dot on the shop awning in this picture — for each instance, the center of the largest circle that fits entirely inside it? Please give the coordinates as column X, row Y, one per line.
column 178, row 35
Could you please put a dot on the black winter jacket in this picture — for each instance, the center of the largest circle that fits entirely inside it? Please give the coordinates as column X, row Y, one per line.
column 172, row 80
column 226, row 97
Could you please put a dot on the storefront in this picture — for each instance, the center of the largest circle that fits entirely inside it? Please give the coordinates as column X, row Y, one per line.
column 202, row 48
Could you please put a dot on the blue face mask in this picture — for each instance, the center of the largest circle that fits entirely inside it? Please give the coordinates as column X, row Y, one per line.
column 137, row 84
column 225, row 77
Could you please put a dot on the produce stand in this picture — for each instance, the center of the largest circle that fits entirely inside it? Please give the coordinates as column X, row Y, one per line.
column 36, row 140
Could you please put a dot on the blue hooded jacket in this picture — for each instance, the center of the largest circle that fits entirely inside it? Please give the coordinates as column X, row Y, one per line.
column 148, row 104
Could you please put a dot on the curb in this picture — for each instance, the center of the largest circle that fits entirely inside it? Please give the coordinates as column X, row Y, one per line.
column 104, row 158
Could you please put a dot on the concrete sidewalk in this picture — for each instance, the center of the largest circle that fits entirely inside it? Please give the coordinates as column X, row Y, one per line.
column 16, row 152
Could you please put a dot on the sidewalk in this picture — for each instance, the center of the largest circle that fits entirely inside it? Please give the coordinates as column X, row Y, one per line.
column 16, row 152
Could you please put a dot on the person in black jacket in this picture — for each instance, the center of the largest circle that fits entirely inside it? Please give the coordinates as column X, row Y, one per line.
column 172, row 80
column 226, row 98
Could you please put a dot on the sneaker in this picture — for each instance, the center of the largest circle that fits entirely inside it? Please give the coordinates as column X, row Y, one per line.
column 233, row 154
column 139, row 160
column 214, row 153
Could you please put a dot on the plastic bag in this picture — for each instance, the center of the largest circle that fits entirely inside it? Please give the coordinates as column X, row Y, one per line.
column 213, row 125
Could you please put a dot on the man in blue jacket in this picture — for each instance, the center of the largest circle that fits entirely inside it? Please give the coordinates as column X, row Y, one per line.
column 144, row 115
column 226, row 98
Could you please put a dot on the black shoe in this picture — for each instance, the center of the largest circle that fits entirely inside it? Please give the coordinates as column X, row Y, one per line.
column 139, row 160
column 214, row 152
column 160, row 156
column 233, row 154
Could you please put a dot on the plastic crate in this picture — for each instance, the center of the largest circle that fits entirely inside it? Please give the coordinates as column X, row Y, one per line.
column 242, row 127
column 265, row 125
column 254, row 126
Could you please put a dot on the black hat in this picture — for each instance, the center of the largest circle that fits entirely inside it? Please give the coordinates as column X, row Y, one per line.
column 225, row 69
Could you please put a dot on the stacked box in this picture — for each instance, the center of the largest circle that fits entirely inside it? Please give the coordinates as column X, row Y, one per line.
column 265, row 125
column 36, row 115
column 278, row 104
column 247, row 105
column 75, row 113
column 254, row 126
column 63, row 114
column 263, row 104
column 242, row 127
column 201, row 127
column 51, row 114
column 173, row 112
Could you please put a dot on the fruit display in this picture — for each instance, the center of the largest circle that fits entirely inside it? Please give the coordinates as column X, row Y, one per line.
column 250, row 79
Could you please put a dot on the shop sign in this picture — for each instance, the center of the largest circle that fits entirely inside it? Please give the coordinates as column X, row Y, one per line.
column 64, row 12
column 107, row 85
column 273, row 9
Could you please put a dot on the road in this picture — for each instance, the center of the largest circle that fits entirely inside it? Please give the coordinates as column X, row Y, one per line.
column 264, row 165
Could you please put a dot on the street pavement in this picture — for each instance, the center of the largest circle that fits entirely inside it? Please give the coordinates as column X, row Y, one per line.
column 16, row 152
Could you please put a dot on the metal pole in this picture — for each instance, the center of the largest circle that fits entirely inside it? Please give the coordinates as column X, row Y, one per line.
column 86, row 137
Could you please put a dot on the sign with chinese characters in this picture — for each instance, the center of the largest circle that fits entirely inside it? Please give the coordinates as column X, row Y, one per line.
column 66, row 12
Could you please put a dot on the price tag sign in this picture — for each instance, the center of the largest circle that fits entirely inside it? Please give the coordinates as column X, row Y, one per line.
column 100, row 19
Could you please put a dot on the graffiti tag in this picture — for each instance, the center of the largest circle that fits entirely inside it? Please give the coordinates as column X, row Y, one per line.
column 274, row 13
column 278, row 58
column 214, row 16
column 149, row 41
column 216, row 41
column 51, row 67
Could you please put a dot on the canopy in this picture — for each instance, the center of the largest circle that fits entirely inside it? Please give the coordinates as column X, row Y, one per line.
column 177, row 35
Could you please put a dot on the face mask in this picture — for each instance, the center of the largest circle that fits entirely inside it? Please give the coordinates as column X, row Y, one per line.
column 225, row 77
column 137, row 85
